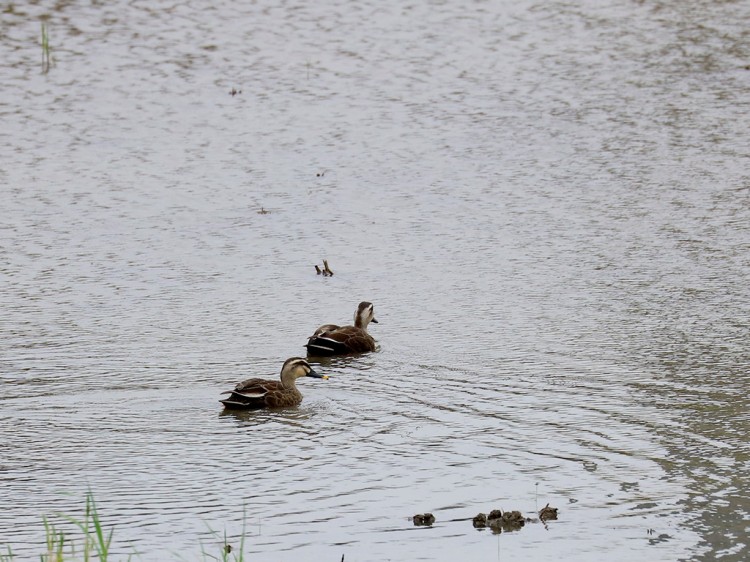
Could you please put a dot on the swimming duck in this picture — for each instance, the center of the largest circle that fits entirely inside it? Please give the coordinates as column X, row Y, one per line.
column 331, row 339
column 423, row 519
column 263, row 393
column 479, row 521
column 505, row 522
column 547, row 513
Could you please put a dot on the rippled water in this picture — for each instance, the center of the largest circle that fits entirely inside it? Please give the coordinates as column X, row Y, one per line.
column 548, row 203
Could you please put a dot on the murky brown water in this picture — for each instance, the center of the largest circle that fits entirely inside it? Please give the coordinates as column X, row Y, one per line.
column 548, row 203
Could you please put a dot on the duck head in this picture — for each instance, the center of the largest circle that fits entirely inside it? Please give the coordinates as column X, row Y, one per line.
column 295, row 368
column 364, row 315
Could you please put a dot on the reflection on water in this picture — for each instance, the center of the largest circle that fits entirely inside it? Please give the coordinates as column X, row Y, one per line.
column 547, row 204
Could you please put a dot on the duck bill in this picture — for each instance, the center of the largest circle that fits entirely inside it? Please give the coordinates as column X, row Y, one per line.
column 374, row 321
column 316, row 375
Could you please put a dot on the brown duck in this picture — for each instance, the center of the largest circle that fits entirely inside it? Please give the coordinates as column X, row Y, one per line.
column 263, row 393
column 331, row 339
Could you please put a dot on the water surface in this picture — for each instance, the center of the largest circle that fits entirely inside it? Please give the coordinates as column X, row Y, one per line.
column 548, row 204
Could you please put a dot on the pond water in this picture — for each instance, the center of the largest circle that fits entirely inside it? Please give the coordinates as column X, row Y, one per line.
column 547, row 202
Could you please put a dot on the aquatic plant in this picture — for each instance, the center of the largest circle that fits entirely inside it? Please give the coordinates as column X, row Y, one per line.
column 96, row 541
column 46, row 57
column 94, row 538
column 238, row 555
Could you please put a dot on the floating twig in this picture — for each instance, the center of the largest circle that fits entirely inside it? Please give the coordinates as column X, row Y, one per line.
column 325, row 271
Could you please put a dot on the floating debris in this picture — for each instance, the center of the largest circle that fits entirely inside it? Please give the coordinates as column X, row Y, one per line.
column 227, row 548
column 326, row 271
column 548, row 513
column 423, row 519
column 263, row 211
column 233, row 92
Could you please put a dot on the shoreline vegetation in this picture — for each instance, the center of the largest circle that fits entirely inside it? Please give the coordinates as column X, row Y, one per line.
column 94, row 541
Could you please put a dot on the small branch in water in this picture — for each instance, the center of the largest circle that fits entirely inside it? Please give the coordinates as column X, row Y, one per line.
column 325, row 272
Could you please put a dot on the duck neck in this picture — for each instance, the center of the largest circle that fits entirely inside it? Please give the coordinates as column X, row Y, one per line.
column 288, row 381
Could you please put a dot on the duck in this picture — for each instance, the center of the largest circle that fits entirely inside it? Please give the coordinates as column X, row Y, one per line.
column 479, row 521
column 504, row 522
column 256, row 393
column 423, row 519
column 547, row 513
column 332, row 339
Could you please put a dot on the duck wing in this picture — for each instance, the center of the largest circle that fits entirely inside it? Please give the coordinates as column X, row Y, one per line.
column 346, row 339
column 251, row 393
column 324, row 329
column 317, row 346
